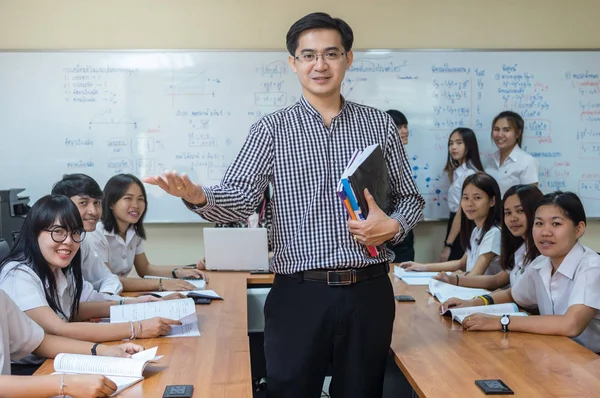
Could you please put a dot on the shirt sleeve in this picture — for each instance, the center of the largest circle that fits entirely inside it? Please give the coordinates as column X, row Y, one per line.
column 25, row 335
column 96, row 272
column 490, row 242
column 244, row 182
column 139, row 248
column 530, row 171
column 19, row 279
column 586, row 288
column 98, row 244
column 523, row 292
column 406, row 202
column 88, row 293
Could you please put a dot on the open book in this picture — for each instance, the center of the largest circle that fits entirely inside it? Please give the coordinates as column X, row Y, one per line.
column 183, row 310
column 199, row 283
column 443, row 291
column 413, row 277
column 459, row 314
column 211, row 294
column 124, row 372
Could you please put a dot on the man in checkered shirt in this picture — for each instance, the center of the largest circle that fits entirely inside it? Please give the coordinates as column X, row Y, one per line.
column 331, row 303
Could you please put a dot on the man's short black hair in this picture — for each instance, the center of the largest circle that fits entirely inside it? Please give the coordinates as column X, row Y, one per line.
column 318, row 20
column 77, row 184
column 398, row 117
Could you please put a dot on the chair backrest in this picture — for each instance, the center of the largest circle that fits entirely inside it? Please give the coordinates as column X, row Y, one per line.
column 4, row 249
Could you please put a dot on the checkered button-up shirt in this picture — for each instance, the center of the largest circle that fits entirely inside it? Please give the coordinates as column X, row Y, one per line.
column 303, row 159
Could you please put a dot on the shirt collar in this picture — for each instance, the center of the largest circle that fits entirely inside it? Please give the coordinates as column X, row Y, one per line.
column 312, row 111
column 128, row 236
column 569, row 264
column 513, row 156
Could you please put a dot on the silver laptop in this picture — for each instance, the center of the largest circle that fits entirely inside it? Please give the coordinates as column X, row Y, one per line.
column 236, row 249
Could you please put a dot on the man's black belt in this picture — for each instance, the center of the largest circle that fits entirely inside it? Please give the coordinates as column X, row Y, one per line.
column 342, row 277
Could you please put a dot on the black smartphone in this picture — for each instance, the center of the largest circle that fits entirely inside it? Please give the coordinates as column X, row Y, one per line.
column 494, row 387
column 182, row 391
column 201, row 300
column 404, row 299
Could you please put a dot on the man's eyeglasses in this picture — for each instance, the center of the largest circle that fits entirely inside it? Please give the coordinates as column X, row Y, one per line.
column 313, row 57
column 59, row 234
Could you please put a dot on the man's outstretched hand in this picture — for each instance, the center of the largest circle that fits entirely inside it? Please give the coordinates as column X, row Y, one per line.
column 180, row 186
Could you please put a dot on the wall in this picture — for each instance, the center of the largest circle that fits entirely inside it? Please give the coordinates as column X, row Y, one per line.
column 262, row 24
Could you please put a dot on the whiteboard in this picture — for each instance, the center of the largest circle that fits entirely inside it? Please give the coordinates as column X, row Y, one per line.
column 141, row 112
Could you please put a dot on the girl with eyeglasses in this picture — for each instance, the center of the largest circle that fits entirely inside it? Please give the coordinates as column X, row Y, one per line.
column 42, row 275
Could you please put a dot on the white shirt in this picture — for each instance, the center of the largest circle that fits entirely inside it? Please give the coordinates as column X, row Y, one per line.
column 111, row 248
column 518, row 168
column 20, row 334
column 96, row 272
column 489, row 243
column 455, row 190
column 23, row 279
column 576, row 281
column 519, row 267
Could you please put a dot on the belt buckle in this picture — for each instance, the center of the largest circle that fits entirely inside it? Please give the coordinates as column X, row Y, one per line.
column 351, row 280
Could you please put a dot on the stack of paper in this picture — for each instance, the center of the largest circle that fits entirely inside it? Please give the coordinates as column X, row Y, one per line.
column 413, row 277
column 183, row 310
column 444, row 291
column 459, row 314
column 199, row 283
column 211, row 294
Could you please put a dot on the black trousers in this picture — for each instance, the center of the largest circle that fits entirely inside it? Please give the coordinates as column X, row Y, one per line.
column 405, row 250
column 456, row 251
column 311, row 325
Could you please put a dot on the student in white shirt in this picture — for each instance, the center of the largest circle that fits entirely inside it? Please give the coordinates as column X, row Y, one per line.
column 85, row 192
column 479, row 232
column 20, row 336
column 463, row 160
column 517, row 249
column 510, row 165
column 119, row 239
column 563, row 283
column 42, row 275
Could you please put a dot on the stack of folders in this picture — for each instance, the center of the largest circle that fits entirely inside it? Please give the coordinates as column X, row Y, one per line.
column 366, row 169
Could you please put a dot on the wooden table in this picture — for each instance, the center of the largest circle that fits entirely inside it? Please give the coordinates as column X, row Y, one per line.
column 217, row 363
column 441, row 360
column 437, row 357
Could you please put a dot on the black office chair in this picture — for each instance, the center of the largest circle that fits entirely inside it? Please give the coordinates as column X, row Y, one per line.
column 4, row 249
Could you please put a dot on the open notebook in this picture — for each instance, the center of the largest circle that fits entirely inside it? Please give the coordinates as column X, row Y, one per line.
column 183, row 310
column 199, row 283
column 413, row 277
column 444, row 291
column 459, row 314
column 124, row 372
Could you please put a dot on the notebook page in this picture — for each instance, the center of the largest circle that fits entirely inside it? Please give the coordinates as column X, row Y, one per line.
column 459, row 314
column 203, row 293
column 185, row 330
column 172, row 309
column 123, row 382
column 401, row 273
column 91, row 364
column 416, row 281
column 199, row 283
column 444, row 291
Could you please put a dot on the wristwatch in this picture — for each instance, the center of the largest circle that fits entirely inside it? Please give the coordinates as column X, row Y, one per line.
column 446, row 244
column 504, row 321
